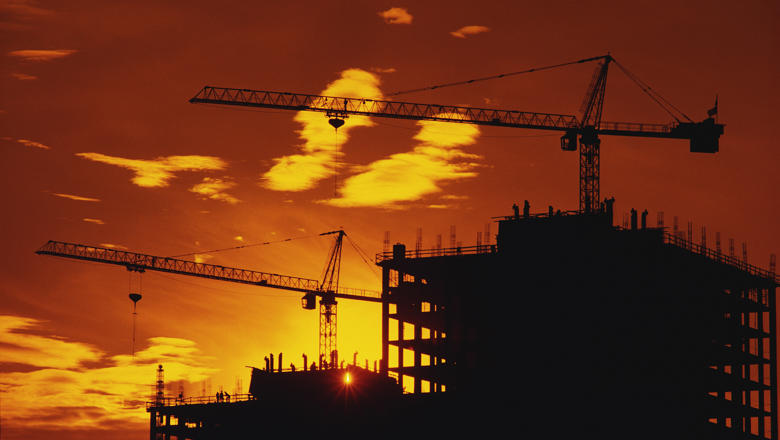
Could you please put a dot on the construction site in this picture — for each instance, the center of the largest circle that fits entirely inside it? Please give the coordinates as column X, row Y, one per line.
column 565, row 324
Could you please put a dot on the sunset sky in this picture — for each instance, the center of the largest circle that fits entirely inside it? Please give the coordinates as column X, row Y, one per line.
column 100, row 146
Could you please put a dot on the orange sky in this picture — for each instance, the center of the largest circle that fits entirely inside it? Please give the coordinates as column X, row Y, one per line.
column 100, row 146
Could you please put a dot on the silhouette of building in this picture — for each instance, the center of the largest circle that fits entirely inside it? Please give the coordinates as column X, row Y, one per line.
column 570, row 327
column 566, row 327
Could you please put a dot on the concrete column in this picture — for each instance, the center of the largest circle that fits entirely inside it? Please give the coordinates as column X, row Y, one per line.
column 152, row 425
column 383, row 364
column 417, row 354
column 400, row 349
column 761, row 368
column 773, row 357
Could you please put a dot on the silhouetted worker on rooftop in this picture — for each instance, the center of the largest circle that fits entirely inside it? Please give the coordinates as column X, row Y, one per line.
column 526, row 209
column 292, row 367
column 216, row 397
column 516, row 209
column 644, row 219
column 549, row 211
column 633, row 219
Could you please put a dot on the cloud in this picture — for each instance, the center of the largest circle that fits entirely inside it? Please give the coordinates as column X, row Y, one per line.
column 18, row 14
column 96, row 221
column 404, row 177
column 79, row 198
column 41, row 55
column 469, row 30
column 23, row 76
column 322, row 145
column 39, row 351
column 454, row 197
column 202, row 258
column 157, row 172
column 73, row 385
column 383, row 70
column 23, row 8
column 213, row 189
column 29, row 143
column 396, row 16
column 239, row 238
column 113, row 246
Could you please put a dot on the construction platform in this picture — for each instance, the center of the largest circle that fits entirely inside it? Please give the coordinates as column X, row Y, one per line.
column 566, row 327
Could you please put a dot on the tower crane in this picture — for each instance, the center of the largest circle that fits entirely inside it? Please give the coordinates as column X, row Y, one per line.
column 703, row 136
column 327, row 290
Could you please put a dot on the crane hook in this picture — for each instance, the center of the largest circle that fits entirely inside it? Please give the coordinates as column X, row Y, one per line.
column 336, row 122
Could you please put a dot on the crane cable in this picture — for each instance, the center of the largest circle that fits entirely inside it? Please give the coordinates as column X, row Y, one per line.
column 503, row 75
column 243, row 246
column 366, row 259
column 655, row 96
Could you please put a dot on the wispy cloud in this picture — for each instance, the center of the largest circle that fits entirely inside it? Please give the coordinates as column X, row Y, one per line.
column 41, row 54
column 79, row 198
column 239, row 238
column 383, row 69
column 39, row 351
column 23, row 8
column 202, row 258
column 214, row 189
column 70, row 385
column 322, row 145
column 410, row 176
column 23, row 76
column 396, row 16
column 157, row 172
column 454, row 197
column 33, row 144
column 469, row 30
column 19, row 14
column 113, row 246
column 96, row 221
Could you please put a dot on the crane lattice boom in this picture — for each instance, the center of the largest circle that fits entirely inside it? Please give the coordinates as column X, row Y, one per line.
column 341, row 106
column 142, row 262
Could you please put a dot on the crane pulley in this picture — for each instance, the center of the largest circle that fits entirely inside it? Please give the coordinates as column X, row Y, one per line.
column 703, row 136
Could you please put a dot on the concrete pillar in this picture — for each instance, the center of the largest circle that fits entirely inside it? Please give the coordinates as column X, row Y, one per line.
column 385, row 321
column 152, row 425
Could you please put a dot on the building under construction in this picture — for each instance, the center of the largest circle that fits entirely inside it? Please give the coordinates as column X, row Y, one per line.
column 566, row 327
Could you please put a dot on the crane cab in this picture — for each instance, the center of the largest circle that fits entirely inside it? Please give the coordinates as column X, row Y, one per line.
column 309, row 301
column 569, row 141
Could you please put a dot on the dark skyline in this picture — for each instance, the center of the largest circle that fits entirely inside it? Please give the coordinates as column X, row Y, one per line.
column 100, row 146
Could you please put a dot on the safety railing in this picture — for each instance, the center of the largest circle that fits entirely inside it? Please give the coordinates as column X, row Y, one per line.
column 199, row 400
column 680, row 242
column 440, row 252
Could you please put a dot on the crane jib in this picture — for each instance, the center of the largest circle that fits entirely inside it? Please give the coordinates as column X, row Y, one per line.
column 140, row 262
column 703, row 135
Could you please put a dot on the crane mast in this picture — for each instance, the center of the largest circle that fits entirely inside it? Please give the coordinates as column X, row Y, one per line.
column 703, row 136
column 590, row 157
column 328, row 316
